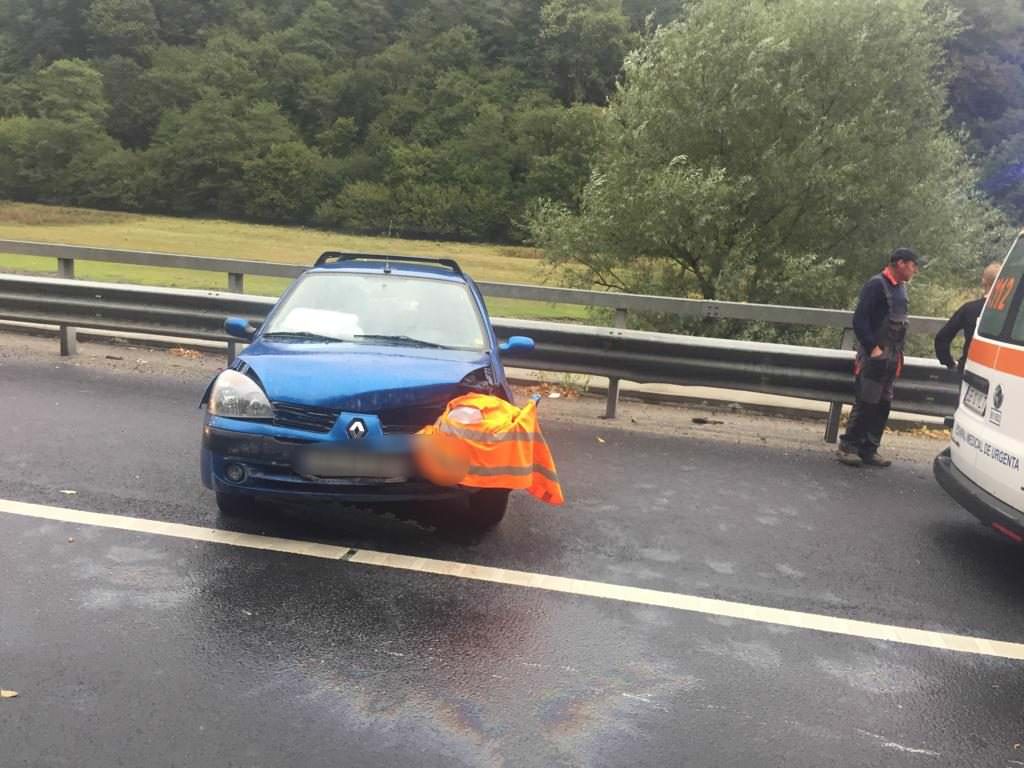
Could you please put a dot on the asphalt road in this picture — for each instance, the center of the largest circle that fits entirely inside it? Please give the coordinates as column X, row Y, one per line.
column 141, row 650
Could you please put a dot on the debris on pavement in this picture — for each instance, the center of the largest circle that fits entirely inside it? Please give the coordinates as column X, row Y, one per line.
column 705, row 420
column 546, row 390
column 5, row 694
column 930, row 433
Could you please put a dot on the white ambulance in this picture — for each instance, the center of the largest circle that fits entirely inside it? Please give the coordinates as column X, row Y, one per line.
column 981, row 469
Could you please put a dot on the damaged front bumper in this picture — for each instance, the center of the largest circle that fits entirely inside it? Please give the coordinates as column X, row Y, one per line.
column 280, row 466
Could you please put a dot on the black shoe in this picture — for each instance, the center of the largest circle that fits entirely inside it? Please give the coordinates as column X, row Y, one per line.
column 874, row 460
column 848, row 457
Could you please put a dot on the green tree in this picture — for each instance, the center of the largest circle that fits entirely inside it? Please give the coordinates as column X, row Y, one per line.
column 556, row 146
column 230, row 65
column 988, row 80
column 340, row 138
column 1004, row 174
column 200, row 155
column 135, row 106
column 287, row 83
column 584, row 42
column 762, row 140
column 39, row 32
column 509, row 31
column 37, row 156
column 362, row 205
column 182, row 22
column 656, row 13
column 986, row 94
column 285, row 183
column 108, row 177
column 329, row 29
column 72, row 91
column 124, row 27
column 174, row 78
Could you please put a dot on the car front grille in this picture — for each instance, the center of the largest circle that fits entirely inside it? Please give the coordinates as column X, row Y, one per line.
column 304, row 417
column 409, row 420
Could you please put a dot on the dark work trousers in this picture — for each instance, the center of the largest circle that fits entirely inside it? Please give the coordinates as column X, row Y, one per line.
column 874, row 387
column 865, row 428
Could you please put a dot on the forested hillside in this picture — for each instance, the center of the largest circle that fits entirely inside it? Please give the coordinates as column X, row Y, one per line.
column 444, row 118
column 420, row 116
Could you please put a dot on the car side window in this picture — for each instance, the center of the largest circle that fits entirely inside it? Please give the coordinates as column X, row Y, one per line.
column 1002, row 319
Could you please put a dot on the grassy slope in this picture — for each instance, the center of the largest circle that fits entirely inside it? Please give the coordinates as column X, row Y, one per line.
column 227, row 239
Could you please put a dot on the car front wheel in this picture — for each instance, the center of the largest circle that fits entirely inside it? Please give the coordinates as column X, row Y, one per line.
column 487, row 507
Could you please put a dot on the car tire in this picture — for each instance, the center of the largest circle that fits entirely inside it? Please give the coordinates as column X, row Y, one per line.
column 487, row 507
column 236, row 504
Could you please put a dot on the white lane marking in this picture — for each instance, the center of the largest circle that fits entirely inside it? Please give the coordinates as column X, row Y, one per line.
column 911, row 750
column 899, row 747
column 682, row 602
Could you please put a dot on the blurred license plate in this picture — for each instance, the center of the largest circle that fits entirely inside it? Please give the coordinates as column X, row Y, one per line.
column 975, row 399
column 348, row 463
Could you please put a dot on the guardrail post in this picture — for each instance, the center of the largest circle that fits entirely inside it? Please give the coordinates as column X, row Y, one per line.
column 236, row 284
column 612, row 403
column 835, row 409
column 68, row 333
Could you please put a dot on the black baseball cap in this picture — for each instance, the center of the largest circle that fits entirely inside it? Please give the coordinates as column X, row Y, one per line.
column 904, row 254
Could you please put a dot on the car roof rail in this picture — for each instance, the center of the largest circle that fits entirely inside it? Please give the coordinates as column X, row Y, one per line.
column 336, row 256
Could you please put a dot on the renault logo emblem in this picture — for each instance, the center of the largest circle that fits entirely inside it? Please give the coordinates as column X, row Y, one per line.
column 356, row 429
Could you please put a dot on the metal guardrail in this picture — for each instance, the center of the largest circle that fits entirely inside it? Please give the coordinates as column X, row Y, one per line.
column 150, row 259
column 806, row 372
column 813, row 373
column 120, row 307
column 622, row 303
column 237, row 269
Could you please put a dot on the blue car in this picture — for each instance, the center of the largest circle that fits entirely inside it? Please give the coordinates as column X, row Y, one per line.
column 358, row 355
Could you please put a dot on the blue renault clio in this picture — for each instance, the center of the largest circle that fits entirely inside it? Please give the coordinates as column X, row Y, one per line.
column 358, row 355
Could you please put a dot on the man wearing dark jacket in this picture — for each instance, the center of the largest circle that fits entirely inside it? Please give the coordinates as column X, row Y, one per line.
column 880, row 324
column 964, row 319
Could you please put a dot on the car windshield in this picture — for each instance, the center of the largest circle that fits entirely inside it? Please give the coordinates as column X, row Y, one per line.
column 378, row 309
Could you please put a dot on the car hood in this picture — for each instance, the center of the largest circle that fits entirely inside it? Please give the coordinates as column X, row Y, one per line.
column 357, row 377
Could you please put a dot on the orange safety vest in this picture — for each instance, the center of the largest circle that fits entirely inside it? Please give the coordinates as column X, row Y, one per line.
column 505, row 449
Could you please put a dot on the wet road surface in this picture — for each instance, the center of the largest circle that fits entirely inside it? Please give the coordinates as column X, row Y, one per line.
column 141, row 650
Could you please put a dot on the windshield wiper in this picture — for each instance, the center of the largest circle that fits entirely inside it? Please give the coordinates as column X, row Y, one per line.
column 302, row 335
column 406, row 341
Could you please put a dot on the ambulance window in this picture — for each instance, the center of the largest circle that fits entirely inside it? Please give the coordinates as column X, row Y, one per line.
column 1017, row 332
column 1002, row 309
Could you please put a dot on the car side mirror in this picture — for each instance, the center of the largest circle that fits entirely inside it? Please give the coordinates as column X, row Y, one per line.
column 517, row 344
column 240, row 328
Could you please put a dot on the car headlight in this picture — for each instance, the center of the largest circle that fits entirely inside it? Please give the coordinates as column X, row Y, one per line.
column 236, row 395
